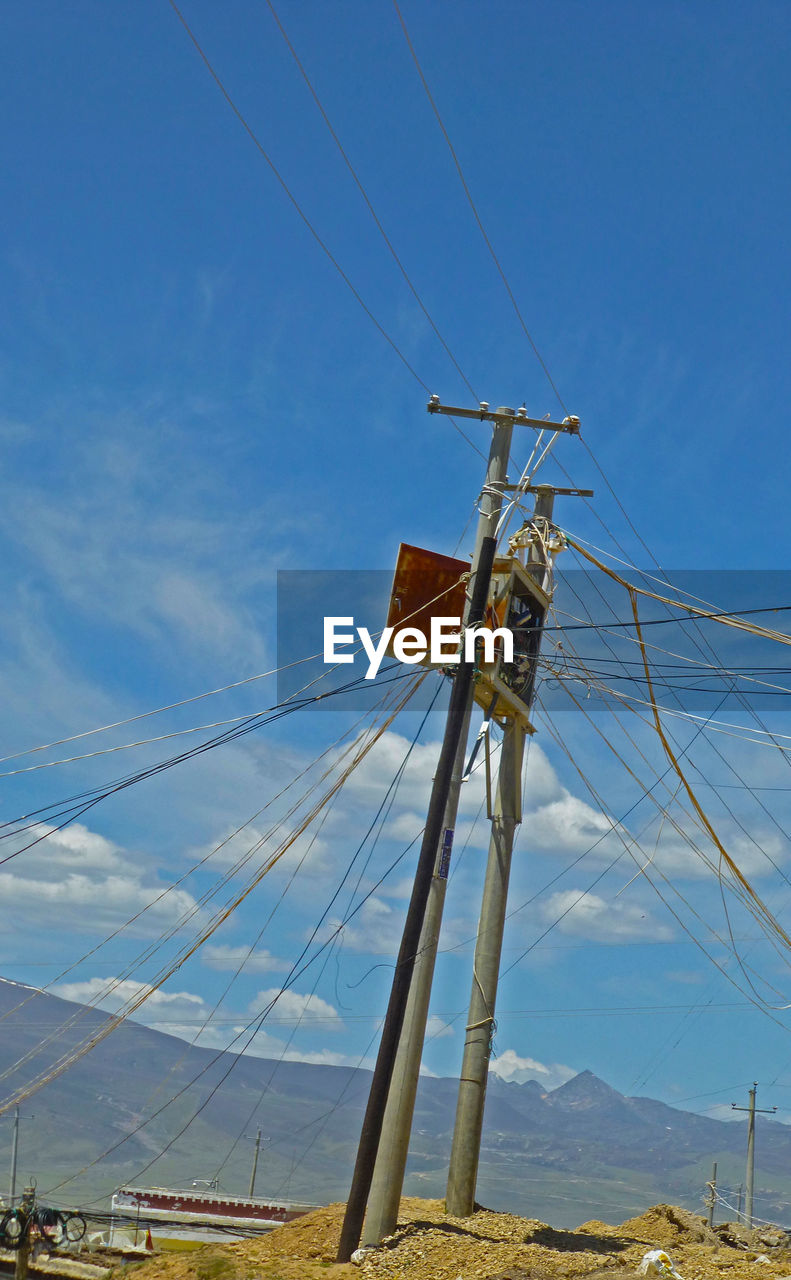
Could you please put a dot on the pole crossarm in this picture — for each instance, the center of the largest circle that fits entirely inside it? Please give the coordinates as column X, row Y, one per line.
column 759, row 1111
column 534, row 488
column 571, row 424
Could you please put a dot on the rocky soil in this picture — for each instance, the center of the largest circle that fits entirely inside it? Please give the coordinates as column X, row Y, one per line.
column 429, row 1245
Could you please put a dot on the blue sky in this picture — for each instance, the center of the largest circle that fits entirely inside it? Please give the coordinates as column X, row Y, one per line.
column 192, row 399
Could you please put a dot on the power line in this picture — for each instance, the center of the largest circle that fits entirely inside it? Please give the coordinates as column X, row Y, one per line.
column 694, row 616
column 474, row 209
column 171, row 706
column 367, row 200
column 382, row 812
column 232, row 870
column 75, row 806
column 645, row 872
column 255, row 1023
column 304, row 217
column 206, row 932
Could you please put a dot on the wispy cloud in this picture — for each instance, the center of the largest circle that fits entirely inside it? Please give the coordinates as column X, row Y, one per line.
column 223, row 957
column 580, row 914
column 509, row 1066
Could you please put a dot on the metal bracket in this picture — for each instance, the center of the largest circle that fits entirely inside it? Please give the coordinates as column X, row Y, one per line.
column 571, row 424
column 535, row 488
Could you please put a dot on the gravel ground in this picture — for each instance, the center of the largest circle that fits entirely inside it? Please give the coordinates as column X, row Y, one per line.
column 430, row 1245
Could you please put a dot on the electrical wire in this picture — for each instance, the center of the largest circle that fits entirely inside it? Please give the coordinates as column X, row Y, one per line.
column 599, row 802
column 298, row 968
column 234, row 869
column 322, row 244
column 380, row 818
column 172, row 967
column 75, row 806
column 368, row 202
column 171, row 706
column 474, row 208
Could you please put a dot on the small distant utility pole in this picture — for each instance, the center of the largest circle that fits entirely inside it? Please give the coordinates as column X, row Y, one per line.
column 23, row 1252
column 14, row 1154
column 711, row 1198
column 255, row 1163
column 749, row 1180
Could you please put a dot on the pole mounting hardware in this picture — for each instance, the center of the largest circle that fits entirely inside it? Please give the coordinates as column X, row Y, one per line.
column 571, row 424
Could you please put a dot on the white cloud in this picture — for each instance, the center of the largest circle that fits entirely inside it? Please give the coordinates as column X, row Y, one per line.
column 437, row 1028
column 722, row 1111
column 176, row 1004
column 405, row 826
column 93, row 904
column 291, row 1006
column 542, row 782
column 370, row 780
column 687, row 977
column 568, row 825
column 183, row 1013
column 224, row 957
column 580, row 914
column 87, row 884
column 75, row 848
column 112, row 550
column 328, row 1057
column 253, row 846
column 397, row 888
column 509, row 1066
column 677, row 858
column 375, row 929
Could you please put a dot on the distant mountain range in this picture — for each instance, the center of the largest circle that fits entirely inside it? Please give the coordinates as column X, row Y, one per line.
column 578, row 1152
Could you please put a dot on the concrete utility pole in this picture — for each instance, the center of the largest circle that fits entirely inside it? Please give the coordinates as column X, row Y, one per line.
column 14, row 1154
column 465, row 1150
column 388, row 1179
column 750, row 1177
column 711, row 1198
column 255, row 1163
column 457, row 718
column 23, row 1252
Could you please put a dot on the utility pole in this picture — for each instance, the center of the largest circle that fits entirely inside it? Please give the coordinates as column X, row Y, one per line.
column 457, row 720
column 711, row 1199
column 255, row 1163
column 739, row 1202
column 465, row 1149
column 25, row 1215
column 457, row 717
column 388, row 1177
column 750, row 1176
column 390, row 1167
column 14, row 1154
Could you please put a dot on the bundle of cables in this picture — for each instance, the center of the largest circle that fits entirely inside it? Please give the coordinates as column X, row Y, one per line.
column 54, row 1227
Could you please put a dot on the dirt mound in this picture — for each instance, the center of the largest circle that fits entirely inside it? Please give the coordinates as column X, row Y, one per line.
column 429, row 1245
column 666, row 1225
column 759, row 1239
